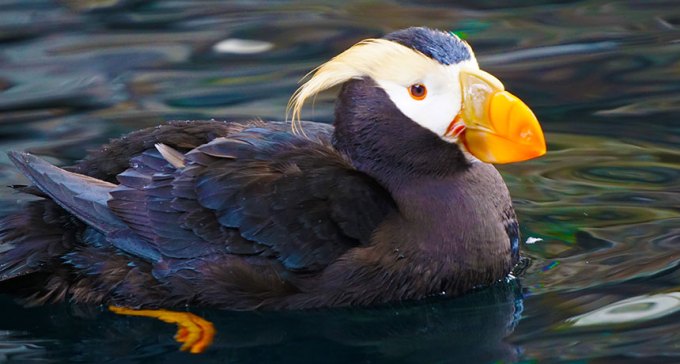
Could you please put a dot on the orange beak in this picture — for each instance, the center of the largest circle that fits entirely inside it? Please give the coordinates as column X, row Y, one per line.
column 499, row 127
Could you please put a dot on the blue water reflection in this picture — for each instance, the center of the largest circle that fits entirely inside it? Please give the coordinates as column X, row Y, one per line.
column 602, row 76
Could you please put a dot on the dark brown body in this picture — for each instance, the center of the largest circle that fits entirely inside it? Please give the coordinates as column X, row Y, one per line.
column 420, row 239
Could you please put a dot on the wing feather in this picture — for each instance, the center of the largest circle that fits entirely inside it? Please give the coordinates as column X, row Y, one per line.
column 261, row 191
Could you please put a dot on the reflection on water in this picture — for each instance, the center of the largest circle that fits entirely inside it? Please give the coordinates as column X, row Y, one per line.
column 471, row 329
column 19, row 350
column 607, row 211
column 602, row 208
column 641, row 308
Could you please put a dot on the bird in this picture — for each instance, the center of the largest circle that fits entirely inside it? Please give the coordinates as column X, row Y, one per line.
column 397, row 200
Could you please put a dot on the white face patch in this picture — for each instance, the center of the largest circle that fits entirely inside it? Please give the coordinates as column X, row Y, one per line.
column 442, row 102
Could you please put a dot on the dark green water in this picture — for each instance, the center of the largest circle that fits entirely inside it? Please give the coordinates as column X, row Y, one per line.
column 602, row 76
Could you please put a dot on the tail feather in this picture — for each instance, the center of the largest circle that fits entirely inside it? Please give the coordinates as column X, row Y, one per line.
column 83, row 196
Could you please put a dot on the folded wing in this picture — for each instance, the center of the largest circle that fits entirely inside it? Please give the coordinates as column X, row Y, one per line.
column 260, row 192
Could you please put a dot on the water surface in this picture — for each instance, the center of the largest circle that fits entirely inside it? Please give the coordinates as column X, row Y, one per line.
column 602, row 209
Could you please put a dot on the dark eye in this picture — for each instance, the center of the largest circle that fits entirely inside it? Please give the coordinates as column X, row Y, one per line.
column 417, row 91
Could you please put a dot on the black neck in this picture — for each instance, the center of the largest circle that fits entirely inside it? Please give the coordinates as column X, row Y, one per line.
column 447, row 216
column 384, row 143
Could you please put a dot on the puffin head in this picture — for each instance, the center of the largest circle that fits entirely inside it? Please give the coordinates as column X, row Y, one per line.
column 423, row 81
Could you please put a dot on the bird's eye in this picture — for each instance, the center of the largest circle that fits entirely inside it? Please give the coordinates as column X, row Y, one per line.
column 417, row 91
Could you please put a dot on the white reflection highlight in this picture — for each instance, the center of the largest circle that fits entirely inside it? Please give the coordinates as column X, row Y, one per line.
column 532, row 240
column 640, row 308
column 242, row 46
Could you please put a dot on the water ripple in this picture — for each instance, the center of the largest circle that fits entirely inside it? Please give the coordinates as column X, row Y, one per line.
column 601, row 76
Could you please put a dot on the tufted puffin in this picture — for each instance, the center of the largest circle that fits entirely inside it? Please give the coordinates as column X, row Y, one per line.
column 397, row 200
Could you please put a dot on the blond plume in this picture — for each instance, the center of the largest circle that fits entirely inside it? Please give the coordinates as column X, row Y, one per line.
column 376, row 58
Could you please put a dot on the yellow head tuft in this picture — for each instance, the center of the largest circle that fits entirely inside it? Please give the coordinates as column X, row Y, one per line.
column 376, row 58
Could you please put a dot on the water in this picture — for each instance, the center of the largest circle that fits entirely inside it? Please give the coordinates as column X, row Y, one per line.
column 602, row 76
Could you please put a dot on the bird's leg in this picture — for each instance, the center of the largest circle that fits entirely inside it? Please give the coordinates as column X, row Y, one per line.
column 194, row 332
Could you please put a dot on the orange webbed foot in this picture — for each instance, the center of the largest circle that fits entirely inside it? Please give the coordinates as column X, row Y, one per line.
column 194, row 332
